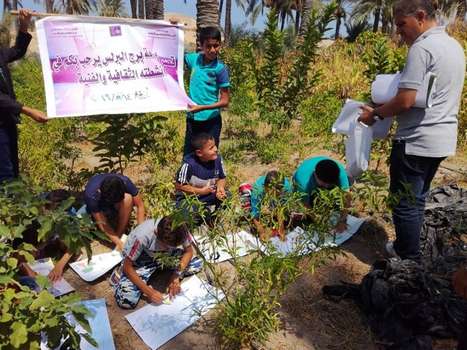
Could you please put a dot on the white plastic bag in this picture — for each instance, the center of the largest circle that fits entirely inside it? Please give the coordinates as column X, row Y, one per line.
column 385, row 88
column 357, row 148
column 349, row 113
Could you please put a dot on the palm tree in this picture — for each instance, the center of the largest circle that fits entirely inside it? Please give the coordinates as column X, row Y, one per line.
column 340, row 14
column 305, row 13
column 228, row 21
column 381, row 10
column 207, row 15
column 111, row 8
column 141, row 8
column 154, row 9
column 78, row 7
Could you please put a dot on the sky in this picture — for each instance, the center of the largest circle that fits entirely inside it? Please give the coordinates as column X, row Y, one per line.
column 189, row 9
column 177, row 6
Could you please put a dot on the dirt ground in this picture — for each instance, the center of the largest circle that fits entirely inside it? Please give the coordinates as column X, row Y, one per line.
column 309, row 321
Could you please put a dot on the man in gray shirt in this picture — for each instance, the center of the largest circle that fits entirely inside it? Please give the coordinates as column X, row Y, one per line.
column 425, row 136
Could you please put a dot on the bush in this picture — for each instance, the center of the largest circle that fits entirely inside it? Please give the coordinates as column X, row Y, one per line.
column 28, row 315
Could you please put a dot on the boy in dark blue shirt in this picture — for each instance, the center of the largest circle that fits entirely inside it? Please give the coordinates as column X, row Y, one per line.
column 202, row 173
column 209, row 88
column 110, row 198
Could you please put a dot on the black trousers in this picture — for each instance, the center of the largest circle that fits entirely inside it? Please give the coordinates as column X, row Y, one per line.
column 411, row 178
column 9, row 163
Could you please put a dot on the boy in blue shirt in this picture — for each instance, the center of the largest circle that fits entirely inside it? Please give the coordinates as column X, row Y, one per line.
column 270, row 187
column 202, row 173
column 209, row 88
column 321, row 173
column 110, row 199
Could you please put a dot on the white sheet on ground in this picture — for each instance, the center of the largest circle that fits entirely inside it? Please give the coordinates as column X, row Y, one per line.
column 238, row 244
column 99, row 265
column 58, row 288
column 385, row 88
column 157, row 324
column 100, row 327
column 297, row 241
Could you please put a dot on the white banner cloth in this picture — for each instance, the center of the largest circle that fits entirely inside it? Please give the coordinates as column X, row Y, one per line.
column 111, row 66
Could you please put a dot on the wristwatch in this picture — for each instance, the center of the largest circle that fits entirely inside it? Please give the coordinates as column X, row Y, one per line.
column 377, row 116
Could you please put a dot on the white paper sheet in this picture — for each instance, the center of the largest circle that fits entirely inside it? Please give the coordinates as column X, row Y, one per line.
column 385, row 87
column 350, row 112
column 241, row 242
column 295, row 240
column 99, row 265
column 100, row 327
column 58, row 288
column 157, row 324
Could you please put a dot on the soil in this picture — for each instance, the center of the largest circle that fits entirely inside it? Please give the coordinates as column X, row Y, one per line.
column 309, row 321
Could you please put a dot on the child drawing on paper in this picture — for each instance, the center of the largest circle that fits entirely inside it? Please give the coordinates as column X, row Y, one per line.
column 142, row 257
column 53, row 248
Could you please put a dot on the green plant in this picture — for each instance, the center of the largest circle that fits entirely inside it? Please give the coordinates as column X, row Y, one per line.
column 127, row 138
column 26, row 315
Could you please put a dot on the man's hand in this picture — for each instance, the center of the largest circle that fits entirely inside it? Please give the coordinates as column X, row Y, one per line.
column 220, row 193
column 24, row 17
column 35, row 114
column 367, row 115
column 56, row 273
column 174, row 287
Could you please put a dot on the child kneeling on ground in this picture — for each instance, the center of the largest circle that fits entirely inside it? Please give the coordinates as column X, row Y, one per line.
column 202, row 174
column 142, row 258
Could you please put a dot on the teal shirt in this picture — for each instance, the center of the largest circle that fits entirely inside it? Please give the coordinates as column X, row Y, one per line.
column 304, row 181
column 258, row 193
column 205, row 82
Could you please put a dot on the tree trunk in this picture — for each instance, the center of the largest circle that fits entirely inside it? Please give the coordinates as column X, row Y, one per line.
column 306, row 11
column 154, row 9
column 133, row 8
column 338, row 27
column 384, row 24
column 461, row 10
column 49, row 6
column 141, row 6
column 207, row 15
column 297, row 21
column 221, row 7
column 228, row 21
column 376, row 22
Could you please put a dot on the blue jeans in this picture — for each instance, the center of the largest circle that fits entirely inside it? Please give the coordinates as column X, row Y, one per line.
column 8, row 153
column 193, row 127
column 414, row 173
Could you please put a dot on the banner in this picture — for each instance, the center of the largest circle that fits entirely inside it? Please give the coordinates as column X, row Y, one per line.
column 95, row 65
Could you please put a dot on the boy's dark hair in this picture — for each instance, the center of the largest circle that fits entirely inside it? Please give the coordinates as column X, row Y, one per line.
column 200, row 140
column 274, row 179
column 327, row 171
column 170, row 235
column 112, row 189
column 207, row 33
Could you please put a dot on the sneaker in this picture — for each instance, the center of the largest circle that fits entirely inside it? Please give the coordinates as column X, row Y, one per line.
column 390, row 250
